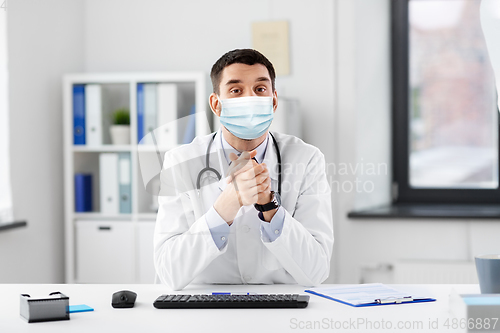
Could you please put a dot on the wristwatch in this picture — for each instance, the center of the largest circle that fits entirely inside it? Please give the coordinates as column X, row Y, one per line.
column 275, row 203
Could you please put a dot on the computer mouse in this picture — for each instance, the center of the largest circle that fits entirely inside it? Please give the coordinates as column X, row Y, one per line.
column 123, row 299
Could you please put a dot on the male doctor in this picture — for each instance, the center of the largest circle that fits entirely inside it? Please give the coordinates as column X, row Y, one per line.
column 261, row 222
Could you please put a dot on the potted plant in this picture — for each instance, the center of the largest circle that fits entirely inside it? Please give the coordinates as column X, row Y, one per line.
column 120, row 130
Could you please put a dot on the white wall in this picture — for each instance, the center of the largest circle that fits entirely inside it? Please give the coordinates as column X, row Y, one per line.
column 339, row 72
column 123, row 35
column 192, row 35
column 44, row 41
column 363, row 132
column 50, row 38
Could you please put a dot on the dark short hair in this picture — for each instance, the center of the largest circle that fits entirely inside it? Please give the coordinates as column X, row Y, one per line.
column 239, row 56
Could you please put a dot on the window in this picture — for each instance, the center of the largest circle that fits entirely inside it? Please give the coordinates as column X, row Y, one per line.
column 5, row 190
column 445, row 107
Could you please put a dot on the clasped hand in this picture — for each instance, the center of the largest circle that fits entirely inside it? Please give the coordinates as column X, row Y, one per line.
column 248, row 183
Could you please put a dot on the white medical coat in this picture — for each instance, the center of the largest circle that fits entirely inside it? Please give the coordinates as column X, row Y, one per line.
column 184, row 250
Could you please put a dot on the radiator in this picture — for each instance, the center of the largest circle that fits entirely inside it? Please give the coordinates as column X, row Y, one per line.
column 434, row 271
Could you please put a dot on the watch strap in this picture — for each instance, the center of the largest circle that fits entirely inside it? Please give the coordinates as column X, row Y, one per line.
column 273, row 204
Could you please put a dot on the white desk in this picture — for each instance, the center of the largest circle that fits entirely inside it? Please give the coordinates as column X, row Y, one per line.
column 144, row 318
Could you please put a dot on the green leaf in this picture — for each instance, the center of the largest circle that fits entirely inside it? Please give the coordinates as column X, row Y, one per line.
column 121, row 116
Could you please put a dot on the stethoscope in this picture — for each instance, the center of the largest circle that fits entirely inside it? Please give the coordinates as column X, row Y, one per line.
column 209, row 169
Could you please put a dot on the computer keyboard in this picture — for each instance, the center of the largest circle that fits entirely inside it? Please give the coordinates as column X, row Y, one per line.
column 231, row 301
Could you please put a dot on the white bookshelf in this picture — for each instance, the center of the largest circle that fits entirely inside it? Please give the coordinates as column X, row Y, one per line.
column 103, row 148
column 97, row 245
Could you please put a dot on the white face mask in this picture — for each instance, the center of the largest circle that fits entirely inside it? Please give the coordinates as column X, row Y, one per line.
column 247, row 117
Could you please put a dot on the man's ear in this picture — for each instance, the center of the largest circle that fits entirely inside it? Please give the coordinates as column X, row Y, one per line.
column 213, row 100
column 275, row 101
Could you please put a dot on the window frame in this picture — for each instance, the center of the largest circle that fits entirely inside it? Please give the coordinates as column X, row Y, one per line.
column 402, row 192
column 6, row 206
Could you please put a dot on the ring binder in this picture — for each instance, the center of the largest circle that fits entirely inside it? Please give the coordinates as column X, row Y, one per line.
column 394, row 300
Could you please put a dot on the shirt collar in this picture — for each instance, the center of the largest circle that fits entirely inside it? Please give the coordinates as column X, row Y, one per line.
column 261, row 149
column 266, row 152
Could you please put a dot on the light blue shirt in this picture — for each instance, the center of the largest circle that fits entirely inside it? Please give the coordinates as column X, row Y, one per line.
column 220, row 229
column 228, row 149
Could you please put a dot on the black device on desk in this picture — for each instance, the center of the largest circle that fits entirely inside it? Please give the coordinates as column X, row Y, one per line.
column 123, row 299
column 231, row 301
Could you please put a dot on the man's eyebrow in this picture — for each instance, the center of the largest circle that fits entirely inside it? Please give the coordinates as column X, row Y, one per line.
column 260, row 79
column 263, row 78
column 233, row 81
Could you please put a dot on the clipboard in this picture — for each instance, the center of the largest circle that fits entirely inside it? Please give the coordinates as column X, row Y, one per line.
column 372, row 294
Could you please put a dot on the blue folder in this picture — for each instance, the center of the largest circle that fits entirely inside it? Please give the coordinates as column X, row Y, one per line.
column 79, row 114
column 83, row 192
column 378, row 294
column 140, row 112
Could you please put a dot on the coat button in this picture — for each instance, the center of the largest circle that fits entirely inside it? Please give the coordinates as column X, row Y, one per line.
column 245, row 228
column 248, row 278
column 276, row 231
